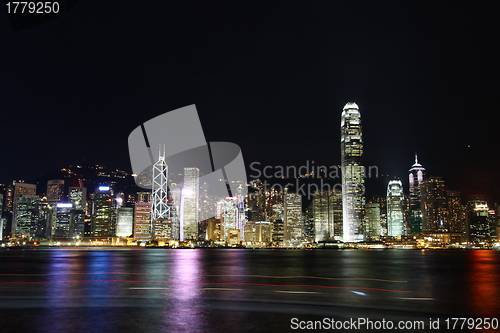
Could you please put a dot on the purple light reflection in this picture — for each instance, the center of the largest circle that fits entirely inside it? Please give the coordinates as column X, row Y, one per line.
column 186, row 313
column 61, row 295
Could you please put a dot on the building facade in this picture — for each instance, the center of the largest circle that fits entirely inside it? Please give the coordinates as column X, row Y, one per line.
column 161, row 224
column 395, row 209
column 125, row 222
column 55, row 190
column 327, row 215
column 189, row 209
column 434, row 205
column 372, row 215
column 416, row 177
column 353, row 173
column 142, row 222
column 104, row 216
column 19, row 190
column 294, row 226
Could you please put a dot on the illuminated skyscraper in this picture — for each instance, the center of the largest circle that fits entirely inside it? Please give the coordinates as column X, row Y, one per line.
column 395, row 209
column 434, row 205
column 372, row 215
column 142, row 222
column 103, row 215
column 62, row 221
column 159, row 207
column 353, row 189
column 125, row 222
column 262, row 232
column 55, row 190
column 480, row 223
column 27, row 216
column 77, row 224
column 161, row 224
column 293, row 223
column 327, row 215
column 20, row 189
column 232, row 217
column 190, row 204
column 9, row 197
column 416, row 177
column 322, row 226
column 455, row 213
column 78, row 197
column 214, row 230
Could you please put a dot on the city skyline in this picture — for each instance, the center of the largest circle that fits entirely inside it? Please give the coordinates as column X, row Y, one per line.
column 431, row 211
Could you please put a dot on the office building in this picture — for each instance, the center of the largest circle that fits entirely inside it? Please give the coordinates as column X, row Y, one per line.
column 395, row 209
column 125, row 222
column 27, row 216
column 77, row 224
column 293, row 222
column 214, row 230
column 19, row 190
column 278, row 235
column 161, row 223
column 189, row 209
column 142, row 222
column 104, row 214
column 262, row 232
column 372, row 215
column 434, row 201
column 55, row 190
column 309, row 223
column 327, row 215
column 78, row 197
column 62, row 225
column 416, row 177
column 480, row 223
column 353, row 172
column 232, row 215
column 456, row 213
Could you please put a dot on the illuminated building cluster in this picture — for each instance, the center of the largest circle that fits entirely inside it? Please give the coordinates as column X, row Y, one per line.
column 186, row 214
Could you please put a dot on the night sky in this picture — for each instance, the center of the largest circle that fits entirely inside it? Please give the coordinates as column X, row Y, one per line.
column 271, row 78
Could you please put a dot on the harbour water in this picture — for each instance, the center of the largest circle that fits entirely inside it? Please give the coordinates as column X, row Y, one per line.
column 240, row 290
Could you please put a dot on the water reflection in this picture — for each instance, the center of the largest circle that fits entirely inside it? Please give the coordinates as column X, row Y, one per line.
column 186, row 311
column 61, row 291
column 483, row 283
column 205, row 290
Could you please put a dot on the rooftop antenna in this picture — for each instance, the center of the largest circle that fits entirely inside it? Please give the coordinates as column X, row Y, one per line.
column 160, row 155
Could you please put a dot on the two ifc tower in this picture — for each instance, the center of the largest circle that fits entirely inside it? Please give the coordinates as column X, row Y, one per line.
column 353, row 171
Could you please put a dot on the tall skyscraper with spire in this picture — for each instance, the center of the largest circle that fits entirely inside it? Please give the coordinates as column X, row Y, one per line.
column 161, row 225
column 353, row 171
column 416, row 177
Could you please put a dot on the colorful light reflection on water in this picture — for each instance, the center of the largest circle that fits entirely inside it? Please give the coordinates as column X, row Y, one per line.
column 212, row 290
